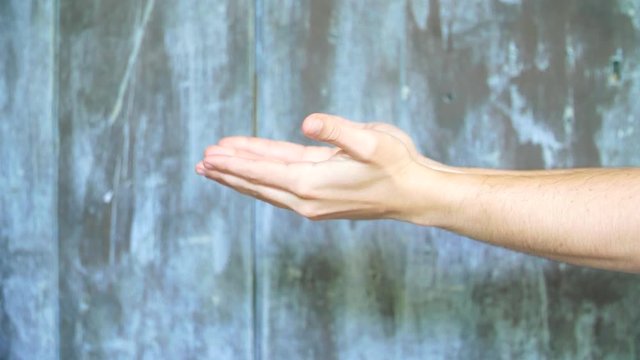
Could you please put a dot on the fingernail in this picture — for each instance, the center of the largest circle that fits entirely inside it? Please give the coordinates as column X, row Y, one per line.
column 314, row 126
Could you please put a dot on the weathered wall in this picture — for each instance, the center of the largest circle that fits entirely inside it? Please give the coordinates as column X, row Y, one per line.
column 28, row 180
column 110, row 246
column 511, row 84
column 155, row 263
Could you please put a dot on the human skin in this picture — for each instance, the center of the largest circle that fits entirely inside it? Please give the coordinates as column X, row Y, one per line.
column 585, row 217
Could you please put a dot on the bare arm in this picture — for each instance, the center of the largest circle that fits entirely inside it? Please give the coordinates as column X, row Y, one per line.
column 588, row 217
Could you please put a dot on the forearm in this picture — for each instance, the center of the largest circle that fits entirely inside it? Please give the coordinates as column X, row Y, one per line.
column 587, row 217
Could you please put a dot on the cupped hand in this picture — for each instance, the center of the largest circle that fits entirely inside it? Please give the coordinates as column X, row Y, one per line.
column 368, row 173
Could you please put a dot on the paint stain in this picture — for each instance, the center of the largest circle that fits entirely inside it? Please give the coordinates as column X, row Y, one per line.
column 448, row 97
column 616, row 68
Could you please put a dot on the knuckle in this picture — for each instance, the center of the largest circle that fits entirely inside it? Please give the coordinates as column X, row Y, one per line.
column 229, row 180
column 252, row 177
column 333, row 133
column 376, row 125
column 213, row 176
column 303, row 186
column 370, row 150
column 224, row 179
column 249, row 192
column 304, row 190
column 247, row 189
column 254, row 193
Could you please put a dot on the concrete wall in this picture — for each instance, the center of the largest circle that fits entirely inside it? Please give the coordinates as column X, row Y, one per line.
column 111, row 247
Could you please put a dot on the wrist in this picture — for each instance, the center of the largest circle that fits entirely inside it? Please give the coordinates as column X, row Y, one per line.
column 436, row 196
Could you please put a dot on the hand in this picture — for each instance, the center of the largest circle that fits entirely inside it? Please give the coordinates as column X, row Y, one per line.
column 368, row 173
column 374, row 171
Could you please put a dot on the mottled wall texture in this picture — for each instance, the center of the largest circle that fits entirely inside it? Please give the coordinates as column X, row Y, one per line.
column 112, row 248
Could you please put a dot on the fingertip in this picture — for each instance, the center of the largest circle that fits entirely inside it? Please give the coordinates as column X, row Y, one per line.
column 200, row 169
column 312, row 125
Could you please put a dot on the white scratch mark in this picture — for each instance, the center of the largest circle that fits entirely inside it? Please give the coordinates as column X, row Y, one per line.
column 420, row 11
column 543, row 56
column 114, row 213
column 199, row 240
column 405, row 92
column 133, row 57
column 527, row 128
column 107, row 197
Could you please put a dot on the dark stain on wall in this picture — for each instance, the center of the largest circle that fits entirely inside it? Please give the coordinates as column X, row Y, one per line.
column 317, row 55
column 601, row 299
column 310, row 286
column 384, row 287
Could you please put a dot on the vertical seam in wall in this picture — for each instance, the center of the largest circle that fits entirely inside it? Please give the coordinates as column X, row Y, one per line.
column 255, row 306
column 55, row 74
column 254, row 33
column 404, row 104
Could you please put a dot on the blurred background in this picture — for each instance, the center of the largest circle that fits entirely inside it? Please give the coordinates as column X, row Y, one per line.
column 112, row 248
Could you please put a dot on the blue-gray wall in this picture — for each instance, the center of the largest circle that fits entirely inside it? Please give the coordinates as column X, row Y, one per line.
column 111, row 247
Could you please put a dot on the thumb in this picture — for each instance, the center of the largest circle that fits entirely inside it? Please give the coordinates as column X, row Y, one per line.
column 351, row 137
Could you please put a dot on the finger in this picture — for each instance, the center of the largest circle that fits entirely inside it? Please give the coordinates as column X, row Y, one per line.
column 355, row 140
column 272, row 174
column 227, row 151
column 343, row 121
column 275, row 197
column 280, row 150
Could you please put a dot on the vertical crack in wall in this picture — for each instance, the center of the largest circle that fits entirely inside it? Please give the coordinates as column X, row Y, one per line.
column 254, row 68
column 133, row 57
column 55, row 231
